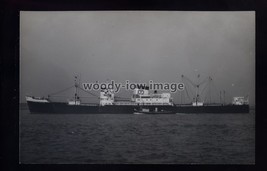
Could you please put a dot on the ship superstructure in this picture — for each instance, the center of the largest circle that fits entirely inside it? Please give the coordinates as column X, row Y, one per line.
column 139, row 97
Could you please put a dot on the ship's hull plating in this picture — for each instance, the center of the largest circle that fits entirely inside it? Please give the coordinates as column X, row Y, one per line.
column 64, row 108
column 213, row 109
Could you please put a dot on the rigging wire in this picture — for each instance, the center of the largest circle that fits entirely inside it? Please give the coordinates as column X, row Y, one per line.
column 215, row 90
column 187, row 94
column 59, row 96
column 188, row 86
column 203, row 90
column 89, row 92
column 69, row 96
column 51, row 94
column 204, row 81
column 190, row 83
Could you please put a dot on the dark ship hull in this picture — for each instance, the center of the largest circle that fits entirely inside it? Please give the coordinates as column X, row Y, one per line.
column 213, row 109
column 65, row 108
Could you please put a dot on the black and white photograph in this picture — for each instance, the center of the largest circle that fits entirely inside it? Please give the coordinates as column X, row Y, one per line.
column 137, row 87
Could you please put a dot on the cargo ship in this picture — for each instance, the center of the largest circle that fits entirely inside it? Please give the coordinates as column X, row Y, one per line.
column 141, row 102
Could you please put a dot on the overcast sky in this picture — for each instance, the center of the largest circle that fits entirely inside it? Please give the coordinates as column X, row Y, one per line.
column 137, row 46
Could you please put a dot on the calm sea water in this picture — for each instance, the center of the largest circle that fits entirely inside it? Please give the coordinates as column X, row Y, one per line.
column 161, row 139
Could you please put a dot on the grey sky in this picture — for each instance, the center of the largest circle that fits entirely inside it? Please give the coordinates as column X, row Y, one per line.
column 137, row 46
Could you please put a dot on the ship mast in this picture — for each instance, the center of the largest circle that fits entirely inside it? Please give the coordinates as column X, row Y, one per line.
column 76, row 86
column 196, row 99
column 197, row 90
column 223, row 97
column 220, row 98
column 77, row 89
